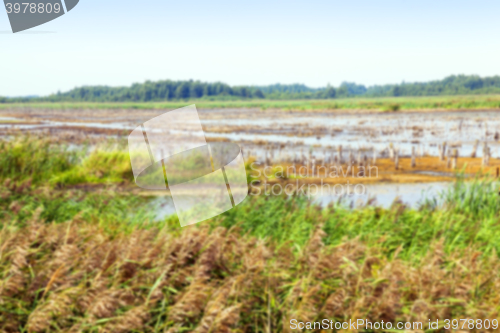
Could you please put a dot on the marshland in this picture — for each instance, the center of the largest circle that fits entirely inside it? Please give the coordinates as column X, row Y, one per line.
column 321, row 147
column 368, row 133
column 83, row 249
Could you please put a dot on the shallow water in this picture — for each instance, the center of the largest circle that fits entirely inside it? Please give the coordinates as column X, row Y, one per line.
column 381, row 195
column 384, row 195
column 302, row 130
column 289, row 133
column 425, row 130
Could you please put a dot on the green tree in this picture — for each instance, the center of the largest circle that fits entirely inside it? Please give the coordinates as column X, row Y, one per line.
column 259, row 94
column 168, row 90
column 343, row 91
column 396, row 91
column 182, row 91
column 330, row 92
column 196, row 90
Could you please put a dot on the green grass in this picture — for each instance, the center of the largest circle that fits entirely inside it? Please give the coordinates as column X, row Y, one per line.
column 386, row 104
column 96, row 261
column 443, row 243
column 95, row 169
column 112, row 211
column 26, row 157
column 469, row 215
column 44, row 161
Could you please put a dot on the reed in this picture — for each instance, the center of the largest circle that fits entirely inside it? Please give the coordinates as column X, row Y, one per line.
column 79, row 260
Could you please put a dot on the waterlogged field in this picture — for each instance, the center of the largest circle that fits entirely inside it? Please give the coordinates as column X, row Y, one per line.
column 388, row 155
column 82, row 251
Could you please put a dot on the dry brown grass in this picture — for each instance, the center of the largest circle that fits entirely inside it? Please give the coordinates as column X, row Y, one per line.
column 428, row 169
column 75, row 277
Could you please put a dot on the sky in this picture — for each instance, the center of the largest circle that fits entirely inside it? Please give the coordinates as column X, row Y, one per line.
column 255, row 42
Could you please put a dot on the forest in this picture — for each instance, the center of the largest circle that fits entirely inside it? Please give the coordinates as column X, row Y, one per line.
column 187, row 90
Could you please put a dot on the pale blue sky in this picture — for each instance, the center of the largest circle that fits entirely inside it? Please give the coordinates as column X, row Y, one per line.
column 256, row 42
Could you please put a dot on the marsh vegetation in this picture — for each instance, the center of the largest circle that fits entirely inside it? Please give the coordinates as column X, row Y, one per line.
column 92, row 259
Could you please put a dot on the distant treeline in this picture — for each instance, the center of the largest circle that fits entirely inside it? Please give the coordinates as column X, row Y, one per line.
column 183, row 90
